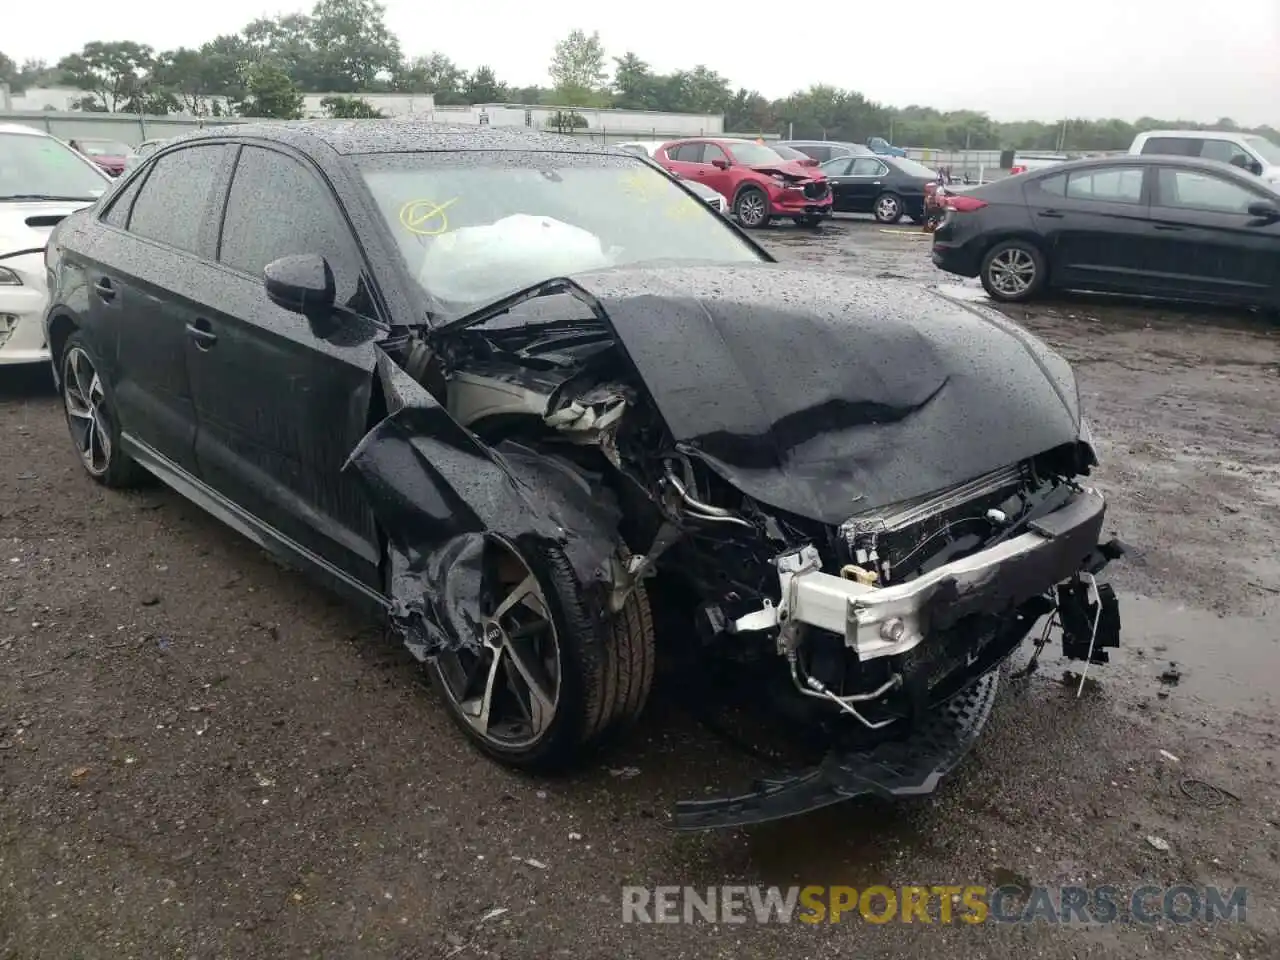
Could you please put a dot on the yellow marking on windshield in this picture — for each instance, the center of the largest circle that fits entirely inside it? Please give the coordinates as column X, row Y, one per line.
column 426, row 218
column 683, row 207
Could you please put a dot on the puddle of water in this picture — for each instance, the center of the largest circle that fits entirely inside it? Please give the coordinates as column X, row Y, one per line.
column 1226, row 662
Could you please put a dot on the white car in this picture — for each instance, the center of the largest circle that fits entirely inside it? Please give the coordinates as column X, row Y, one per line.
column 1249, row 151
column 41, row 181
column 646, row 148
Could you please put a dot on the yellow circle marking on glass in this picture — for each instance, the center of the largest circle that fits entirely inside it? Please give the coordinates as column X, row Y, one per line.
column 426, row 218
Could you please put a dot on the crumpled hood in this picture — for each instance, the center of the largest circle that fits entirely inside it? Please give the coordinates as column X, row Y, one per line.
column 27, row 225
column 791, row 170
column 824, row 394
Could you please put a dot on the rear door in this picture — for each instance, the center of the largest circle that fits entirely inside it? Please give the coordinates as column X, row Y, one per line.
column 281, row 405
column 153, row 270
column 1096, row 226
column 1208, row 244
column 685, row 158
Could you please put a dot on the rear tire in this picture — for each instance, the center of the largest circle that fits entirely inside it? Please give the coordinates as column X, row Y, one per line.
column 602, row 676
column 808, row 221
column 91, row 418
column 1013, row 271
column 887, row 208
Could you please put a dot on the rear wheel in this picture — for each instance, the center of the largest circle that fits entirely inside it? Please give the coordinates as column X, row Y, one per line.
column 752, row 208
column 1013, row 271
column 887, row 208
column 546, row 685
column 91, row 418
column 811, row 220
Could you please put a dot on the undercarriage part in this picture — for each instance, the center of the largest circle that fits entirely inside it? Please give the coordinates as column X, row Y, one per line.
column 811, row 686
column 699, row 510
column 909, row 767
column 1089, row 627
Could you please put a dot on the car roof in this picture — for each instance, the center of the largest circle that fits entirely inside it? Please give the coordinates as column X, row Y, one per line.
column 1193, row 134
column 400, row 135
column 21, row 128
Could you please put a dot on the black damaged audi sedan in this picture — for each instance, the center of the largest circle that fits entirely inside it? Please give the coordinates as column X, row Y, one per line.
column 515, row 391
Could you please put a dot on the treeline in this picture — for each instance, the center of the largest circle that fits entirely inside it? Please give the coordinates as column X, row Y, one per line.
column 343, row 47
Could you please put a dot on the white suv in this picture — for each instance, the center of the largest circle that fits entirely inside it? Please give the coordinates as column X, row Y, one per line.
column 41, row 181
column 1250, row 151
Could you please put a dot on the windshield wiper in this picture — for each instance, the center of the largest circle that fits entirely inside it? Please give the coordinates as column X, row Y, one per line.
column 44, row 196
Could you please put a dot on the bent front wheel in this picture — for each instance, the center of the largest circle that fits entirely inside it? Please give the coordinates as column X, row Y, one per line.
column 546, row 685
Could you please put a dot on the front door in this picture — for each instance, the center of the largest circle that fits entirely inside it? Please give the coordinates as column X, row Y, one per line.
column 1209, row 243
column 280, row 405
column 864, row 182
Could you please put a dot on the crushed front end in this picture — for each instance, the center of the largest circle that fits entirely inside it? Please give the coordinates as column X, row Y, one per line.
column 894, row 625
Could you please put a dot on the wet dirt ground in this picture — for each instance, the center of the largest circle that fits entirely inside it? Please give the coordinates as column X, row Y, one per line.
column 203, row 755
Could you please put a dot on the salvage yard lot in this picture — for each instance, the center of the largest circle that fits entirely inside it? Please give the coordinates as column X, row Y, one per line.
column 204, row 755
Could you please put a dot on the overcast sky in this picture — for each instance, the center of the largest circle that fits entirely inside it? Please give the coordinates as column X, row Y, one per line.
column 1024, row 59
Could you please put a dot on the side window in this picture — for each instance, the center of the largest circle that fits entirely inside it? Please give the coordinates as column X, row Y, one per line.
column 1172, row 147
column 1055, row 185
column 118, row 207
column 1117, row 185
column 712, row 153
column 868, row 167
column 1222, row 150
column 687, row 153
column 278, row 207
column 170, row 207
column 1188, row 190
column 838, row 167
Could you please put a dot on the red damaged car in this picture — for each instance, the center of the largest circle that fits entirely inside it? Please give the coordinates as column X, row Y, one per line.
column 761, row 184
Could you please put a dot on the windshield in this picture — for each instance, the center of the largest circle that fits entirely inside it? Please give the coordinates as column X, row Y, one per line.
column 754, row 154
column 913, row 169
column 39, row 167
column 102, row 148
column 1264, row 148
column 476, row 227
column 787, row 153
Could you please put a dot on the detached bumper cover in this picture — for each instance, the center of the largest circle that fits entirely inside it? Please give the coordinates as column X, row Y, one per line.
column 894, row 769
column 889, row 621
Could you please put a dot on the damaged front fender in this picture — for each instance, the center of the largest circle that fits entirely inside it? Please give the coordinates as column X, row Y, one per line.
column 441, row 495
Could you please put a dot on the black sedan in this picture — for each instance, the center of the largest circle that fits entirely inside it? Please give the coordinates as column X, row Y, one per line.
column 887, row 187
column 1168, row 227
column 506, row 387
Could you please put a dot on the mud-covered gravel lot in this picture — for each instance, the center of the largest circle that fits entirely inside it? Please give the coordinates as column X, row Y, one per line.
column 204, row 755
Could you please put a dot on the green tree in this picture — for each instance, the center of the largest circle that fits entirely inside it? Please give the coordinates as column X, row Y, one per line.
column 697, row 91
column 108, row 71
column 286, row 42
column 197, row 78
column 435, row 74
column 351, row 45
column 269, row 92
column 482, row 86
column 9, row 73
column 349, row 108
column 578, row 72
column 749, row 112
column 566, row 121
column 635, row 86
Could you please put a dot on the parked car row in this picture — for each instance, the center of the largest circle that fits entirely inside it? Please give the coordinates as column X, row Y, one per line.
column 513, row 390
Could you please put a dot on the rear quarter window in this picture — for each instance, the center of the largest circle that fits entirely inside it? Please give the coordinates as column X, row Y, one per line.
column 1172, row 147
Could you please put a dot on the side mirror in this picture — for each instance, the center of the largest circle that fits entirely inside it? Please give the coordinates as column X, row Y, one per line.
column 808, row 162
column 720, row 164
column 303, row 284
column 1264, row 210
column 1255, row 168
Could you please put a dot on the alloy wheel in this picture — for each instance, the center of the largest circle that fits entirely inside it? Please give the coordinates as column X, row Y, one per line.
column 1012, row 272
column 87, row 414
column 751, row 208
column 508, row 690
column 887, row 209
